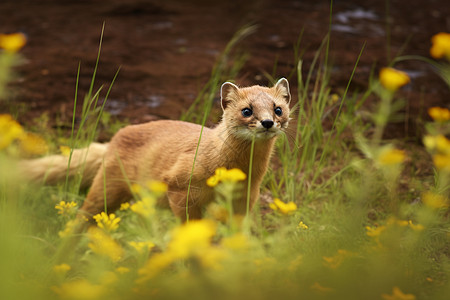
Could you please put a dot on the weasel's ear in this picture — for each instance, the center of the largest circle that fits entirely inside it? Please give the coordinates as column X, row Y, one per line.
column 226, row 92
column 283, row 86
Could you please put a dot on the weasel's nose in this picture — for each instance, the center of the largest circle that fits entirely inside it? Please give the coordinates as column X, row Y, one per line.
column 267, row 123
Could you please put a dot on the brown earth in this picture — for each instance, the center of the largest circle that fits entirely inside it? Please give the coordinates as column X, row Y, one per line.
column 167, row 49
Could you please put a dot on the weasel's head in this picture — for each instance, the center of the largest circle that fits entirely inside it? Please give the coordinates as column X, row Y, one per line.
column 256, row 111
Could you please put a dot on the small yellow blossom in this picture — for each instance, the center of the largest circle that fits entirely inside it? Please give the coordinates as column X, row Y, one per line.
column 434, row 200
column 375, row 231
column 101, row 243
column 66, row 208
column 108, row 223
column 157, row 187
column 393, row 79
column 141, row 247
column 442, row 162
column 237, row 241
column 437, row 143
column 61, row 269
column 80, row 289
column 12, row 42
column 145, row 207
column 223, row 175
column 439, row 114
column 65, row 151
column 192, row 238
column 397, row 294
column 33, row 144
column 389, row 156
column 136, row 188
column 70, row 227
column 10, row 130
column 284, row 208
column 418, row 227
column 302, row 225
column 125, row 206
column 335, row 261
column 440, row 45
column 154, row 266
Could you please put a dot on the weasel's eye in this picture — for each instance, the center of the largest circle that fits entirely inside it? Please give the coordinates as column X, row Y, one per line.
column 278, row 111
column 247, row 112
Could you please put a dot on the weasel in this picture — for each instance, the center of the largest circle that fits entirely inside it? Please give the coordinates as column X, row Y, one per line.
column 164, row 150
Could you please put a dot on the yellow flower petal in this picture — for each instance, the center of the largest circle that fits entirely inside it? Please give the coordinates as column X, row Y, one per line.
column 393, row 79
column 439, row 114
column 12, row 42
column 440, row 45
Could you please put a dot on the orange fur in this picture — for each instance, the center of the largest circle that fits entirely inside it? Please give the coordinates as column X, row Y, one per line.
column 165, row 150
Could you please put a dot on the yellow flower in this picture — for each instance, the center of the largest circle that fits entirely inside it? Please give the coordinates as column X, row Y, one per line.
column 33, row 144
column 141, row 247
column 12, row 42
column 418, row 227
column 154, row 266
column 102, row 244
column 439, row 114
column 136, row 188
column 157, row 187
column 393, row 79
column 144, row 207
column 440, row 45
column 302, row 225
column 66, row 208
column 61, row 269
column 80, row 289
column 70, row 227
column 65, row 151
column 442, row 161
column 397, row 294
column 223, row 175
column 434, row 200
column 389, row 156
column 284, row 208
column 125, row 206
column 237, row 241
column 109, row 223
column 437, row 142
column 191, row 238
column 335, row 261
column 10, row 130
column 375, row 231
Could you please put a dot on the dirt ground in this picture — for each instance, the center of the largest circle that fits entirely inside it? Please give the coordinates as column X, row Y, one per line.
column 166, row 49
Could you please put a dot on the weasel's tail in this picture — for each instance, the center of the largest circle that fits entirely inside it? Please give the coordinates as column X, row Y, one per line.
column 54, row 168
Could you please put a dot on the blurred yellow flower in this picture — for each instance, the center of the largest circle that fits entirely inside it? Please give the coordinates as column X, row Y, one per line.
column 10, row 130
column 393, row 79
column 418, row 227
column 302, row 225
column 66, row 208
column 102, row 244
column 223, row 175
column 70, row 227
column 335, row 261
column 65, row 151
column 108, row 223
column 141, row 247
column 157, row 187
column 439, row 114
column 154, row 266
column 136, row 188
column 145, row 207
column 440, row 45
column 389, row 156
column 397, row 294
column 122, row 270
column 442, row 162
column 237, row 241
column 437, row 142
column 12, row 42
column 191, row 238
column 125, row 206
column 33, row 144
column 284, row 208
column 434, row 200
column 80, row 289
column 375, row 231
column 61, row 269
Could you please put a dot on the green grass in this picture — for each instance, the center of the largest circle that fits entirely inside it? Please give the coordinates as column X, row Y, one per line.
column 370, row 229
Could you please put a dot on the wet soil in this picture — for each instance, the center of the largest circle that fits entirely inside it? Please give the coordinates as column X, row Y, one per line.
column 167, row 49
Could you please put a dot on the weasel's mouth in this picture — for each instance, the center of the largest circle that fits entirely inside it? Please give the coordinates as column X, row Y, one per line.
column 267, row 133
